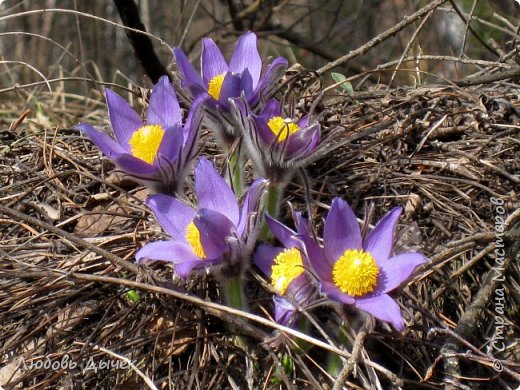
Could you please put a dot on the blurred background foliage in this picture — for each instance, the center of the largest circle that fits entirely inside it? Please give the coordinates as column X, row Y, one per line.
column 61, row 43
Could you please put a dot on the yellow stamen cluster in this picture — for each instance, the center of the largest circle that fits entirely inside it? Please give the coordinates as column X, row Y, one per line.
column 355, row 273
column 287, row 266
column 193, row 238
column 282, row 128
column 215, row 85
column 145, row 142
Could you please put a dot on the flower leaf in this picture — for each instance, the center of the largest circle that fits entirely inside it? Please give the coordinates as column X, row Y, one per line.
column 338, row 77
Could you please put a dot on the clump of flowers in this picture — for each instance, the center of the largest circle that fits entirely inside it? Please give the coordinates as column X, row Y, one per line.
column 286, row 268
column 361, row 272
column 220, row 80
column 220, row 232
column 277, row 144
column 157, row 151
column 217, row 233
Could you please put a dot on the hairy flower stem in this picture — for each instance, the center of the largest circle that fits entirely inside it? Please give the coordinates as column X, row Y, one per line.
column 234, row 297
column 272, row 207
column 236, row 172
column 234, row 294
column 304, row 327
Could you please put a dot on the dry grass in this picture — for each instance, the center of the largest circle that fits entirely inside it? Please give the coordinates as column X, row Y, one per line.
column 443, row 152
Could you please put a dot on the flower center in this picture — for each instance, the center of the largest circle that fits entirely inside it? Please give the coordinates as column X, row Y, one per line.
column 282, row 128
column 215, row 85
column 193, row 238
column 145, row 142
column 355, row 273
column 287, row 266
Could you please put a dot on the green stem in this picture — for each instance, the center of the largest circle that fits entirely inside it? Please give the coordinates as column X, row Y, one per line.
column 237, row 172
column 303, row 326
column 272, row 207
column 234, row 297
column 234, row 294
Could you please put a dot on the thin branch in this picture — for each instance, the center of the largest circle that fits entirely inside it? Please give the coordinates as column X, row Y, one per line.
column 381, row 37
column 115, row 260
column 489, row 78
column 458, row 11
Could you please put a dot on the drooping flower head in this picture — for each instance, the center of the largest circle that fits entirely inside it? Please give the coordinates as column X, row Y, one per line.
column 241, row 77
column 285, row 267
column 361, row 272
column 276, row 143
column 157, row 151
column 217, row 233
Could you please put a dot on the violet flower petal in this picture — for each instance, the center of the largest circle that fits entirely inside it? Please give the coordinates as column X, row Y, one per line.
column 263, row 131
column 341, row 231
column 193, row 123
column 384, row 308
column 283, row 311
column 246, row 56
column 250, row 204
column 107, row 145
column 214, row 229
column 246, row 84
column 241, row 110
column 189, row 74
column 303, row 141
column 214, row 193
column 171, row 144
column 269, row 80
column 184, row 269
column 301, row 289
column 398, row 269
column 264, row 258
column 285, row 235
column 271, row 109
column 335, row 293
column 172, row 251
column 164, row 107
column 316, row 257
column 213, row 62
column 123, row 118
column 302, row 224
column 173, row 215
column 303, row 122
column 380, row 240
column 313, row 141
column 135, row 166
column 231, row 87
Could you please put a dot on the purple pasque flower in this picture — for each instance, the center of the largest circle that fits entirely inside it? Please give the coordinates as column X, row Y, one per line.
column 219, row 232
column 241, row 77
column 157, row 151
column 362, row 272
column 285, row 268
column 276, row 143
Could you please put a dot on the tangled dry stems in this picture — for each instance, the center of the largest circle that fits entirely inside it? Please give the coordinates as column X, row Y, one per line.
column 70, row 228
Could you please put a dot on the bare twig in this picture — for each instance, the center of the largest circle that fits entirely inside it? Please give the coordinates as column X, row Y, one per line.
column 115, row 260
column 146, row 380
column 357, row 350
column 489, row 78
column 381, row 37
